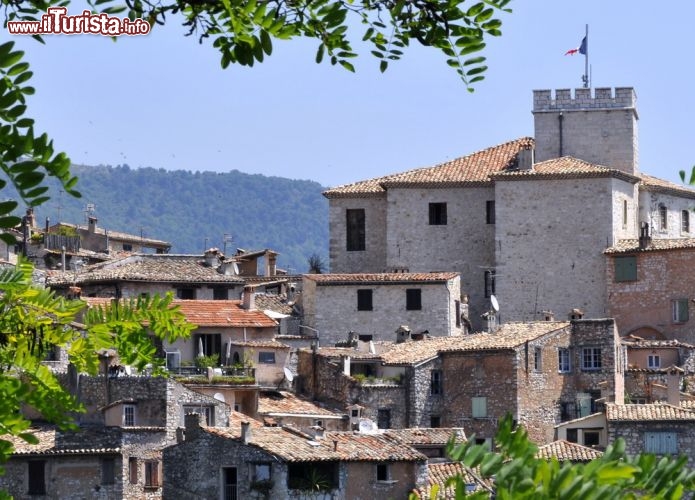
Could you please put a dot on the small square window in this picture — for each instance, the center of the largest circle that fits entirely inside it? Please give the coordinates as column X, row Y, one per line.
column 220, row 293
column 413, row 299
column 152, row 474
column 591, row 358
column 437, row 214
column 654, row 361
column 625, row 268
column 127, row 247
column 364, row 300
column 591, row 438
column 382, row 472
column 435, row 421
column 185, row 293
column 261, row 472
column 128, row 415
column 680, row 310
column 479, row 407
column 266, row 357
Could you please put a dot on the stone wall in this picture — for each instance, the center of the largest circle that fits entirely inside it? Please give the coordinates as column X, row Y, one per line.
column 332, row 309
column 645, row 306
column 633, row 434
column 649, row 212
column 422, row 405
column 373, row 258
column 601, row 129
column 550, row 238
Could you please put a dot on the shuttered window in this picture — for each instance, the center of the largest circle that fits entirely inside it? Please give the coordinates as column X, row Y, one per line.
column 661, row 443
column 626, row 268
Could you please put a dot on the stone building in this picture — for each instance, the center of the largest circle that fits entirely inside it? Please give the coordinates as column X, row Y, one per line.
column 373, row 306
column 651, row 287
column 527, row 220
column 541, row 372
column 281, row 462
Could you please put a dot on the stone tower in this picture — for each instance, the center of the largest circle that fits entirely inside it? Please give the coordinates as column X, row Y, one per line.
column 601, row 129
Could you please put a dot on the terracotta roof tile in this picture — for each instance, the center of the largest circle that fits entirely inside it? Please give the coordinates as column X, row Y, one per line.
column 95, row 442
column 647, row 412
column 428, row 436
column 649, row 183
column 295, row 446
column 566, row 451
column 640, row 343
column 290, row 404
column 274, row 302
column 379, row 278
column 116, row 235
column 438, row 473
column 473, row 169
column 160, row 268
column 565, row 167
column 656, row 245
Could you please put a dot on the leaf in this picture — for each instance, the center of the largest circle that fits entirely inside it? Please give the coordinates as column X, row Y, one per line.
column 383, row 65
column 347, row 65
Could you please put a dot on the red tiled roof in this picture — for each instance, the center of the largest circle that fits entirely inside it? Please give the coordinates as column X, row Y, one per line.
column 565, row 167
column 295, row 446
column 473, row 169
column 289, row 404
column 647, row 412
column 379, row 278
column 566, row 451
column 421, row 436
column 655, row 245
column 649, row 183
column 438, row 473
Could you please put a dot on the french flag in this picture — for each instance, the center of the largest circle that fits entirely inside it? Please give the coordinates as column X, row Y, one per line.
column 581, row 49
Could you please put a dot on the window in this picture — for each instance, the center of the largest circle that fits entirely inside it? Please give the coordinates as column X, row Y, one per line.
column 479, row 407
column 591, row 358
column 563, row 360
column 108, row 471
column 383, row 419
column 591, row 438
column 364, row 300
column 185, row 293
column 567, row 412
column 661, row 443
column 413, row 299
column 133, row 470
column 572, row 435
column 220, row 294
column 489, row 283
column 261, row 472
column 37, row 477
column 266, row 357
column 212, row 344
column 625, row 268
column 355, row 224
column 229, row 479
column 382, row 472
column 127, row 247
column 437, row 214
column 624, row 214
column 435, row 421
column 435, row 382
column 537, row 359
column 685, row 221
column 680, row 310
column 490, row 212
column 654, row 361
column 663, row 217
column 152, row 474
column 457, row 304
column 128, row 415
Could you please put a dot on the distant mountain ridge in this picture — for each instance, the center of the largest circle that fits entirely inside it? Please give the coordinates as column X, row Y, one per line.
column 195, row 210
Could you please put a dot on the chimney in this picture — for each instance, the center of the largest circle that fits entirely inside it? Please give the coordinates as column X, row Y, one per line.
column 548, row 315
column 645, row 240
column 317, row 431
column 335, row 445
column 48, row 224
column 212, row 257
column 525, row 159
column 92, row 224
column 245, row 432
column 31, row 218
column 194, row 424
column 249, row 298
column 673, row 385
column 402, row 334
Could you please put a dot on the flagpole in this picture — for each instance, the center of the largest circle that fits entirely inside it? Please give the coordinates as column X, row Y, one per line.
column 585, row 78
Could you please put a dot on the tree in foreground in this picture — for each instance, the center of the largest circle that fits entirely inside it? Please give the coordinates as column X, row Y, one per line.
column 517, row 472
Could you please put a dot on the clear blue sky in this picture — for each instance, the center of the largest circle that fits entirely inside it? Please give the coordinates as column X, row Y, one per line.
column 163, row 101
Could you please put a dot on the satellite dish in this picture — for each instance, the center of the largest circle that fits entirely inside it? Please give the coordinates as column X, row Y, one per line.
column 366, row 426
column 495, row 304
column 235, row 267
column 219, row 396
column 288, row 374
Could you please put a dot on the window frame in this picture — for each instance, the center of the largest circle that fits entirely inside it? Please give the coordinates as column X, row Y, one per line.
column 265, row 356
column 413, row 299
column 653, row 361
column 261, row 471
column 680, row 311
column 365, row 299
column 438, row 214
column 564, row 365
column 129, row 415
column 355, row 230
column 537, row 359
column 591, row 359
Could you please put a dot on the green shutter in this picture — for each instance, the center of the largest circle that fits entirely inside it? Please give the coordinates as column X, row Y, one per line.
column 626, row 268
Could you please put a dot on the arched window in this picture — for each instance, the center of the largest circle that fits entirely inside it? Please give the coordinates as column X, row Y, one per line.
column 663, row 217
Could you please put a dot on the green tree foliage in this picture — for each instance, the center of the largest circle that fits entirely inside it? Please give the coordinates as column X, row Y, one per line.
column 34, row 321
column 243, row 30
column 518, row 473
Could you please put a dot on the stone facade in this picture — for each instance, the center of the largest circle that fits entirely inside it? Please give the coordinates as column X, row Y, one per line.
column 331, row 306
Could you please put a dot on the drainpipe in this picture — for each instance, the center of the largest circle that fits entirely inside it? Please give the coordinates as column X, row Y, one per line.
column 560, row 118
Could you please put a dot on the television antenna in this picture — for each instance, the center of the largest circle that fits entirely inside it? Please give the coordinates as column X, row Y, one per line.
column 226, row 238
